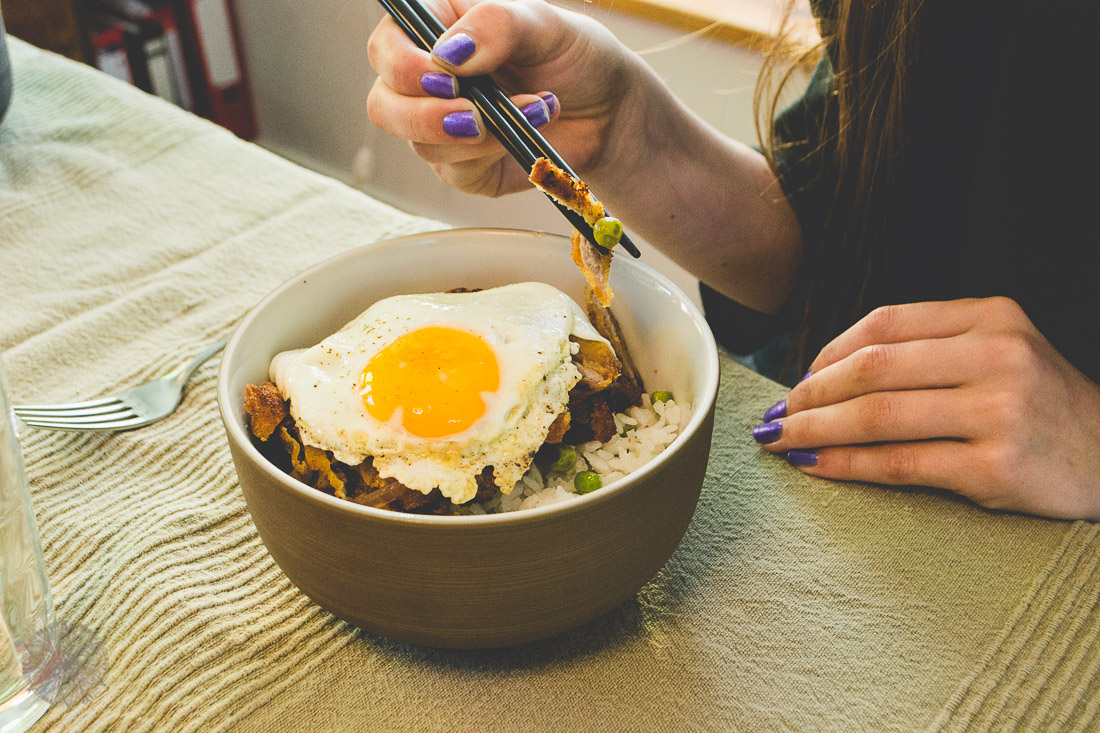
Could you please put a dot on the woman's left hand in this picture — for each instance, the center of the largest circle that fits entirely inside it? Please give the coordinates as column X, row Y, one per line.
column 965, row 395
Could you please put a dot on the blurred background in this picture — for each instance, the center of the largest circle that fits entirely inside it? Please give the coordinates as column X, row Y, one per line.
column 293, row 77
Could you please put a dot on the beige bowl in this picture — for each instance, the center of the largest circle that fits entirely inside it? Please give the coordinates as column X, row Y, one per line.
column 475, row 581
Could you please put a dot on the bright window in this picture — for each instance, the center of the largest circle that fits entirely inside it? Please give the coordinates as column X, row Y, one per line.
column 744, row 22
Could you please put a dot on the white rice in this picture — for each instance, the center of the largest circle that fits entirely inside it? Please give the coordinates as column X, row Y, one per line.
column 643, row 432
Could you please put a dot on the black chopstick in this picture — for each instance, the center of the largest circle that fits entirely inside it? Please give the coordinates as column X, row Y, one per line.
column 522, row 141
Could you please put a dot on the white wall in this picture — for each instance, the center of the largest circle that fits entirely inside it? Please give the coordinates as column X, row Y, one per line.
column 307, row 63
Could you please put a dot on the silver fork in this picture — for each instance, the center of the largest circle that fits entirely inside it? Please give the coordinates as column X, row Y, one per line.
column 139, row 406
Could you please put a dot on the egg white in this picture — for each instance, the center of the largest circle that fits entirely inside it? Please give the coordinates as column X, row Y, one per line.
column 527, row 326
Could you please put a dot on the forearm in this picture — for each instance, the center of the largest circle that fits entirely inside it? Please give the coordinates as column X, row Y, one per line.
column 710, row 203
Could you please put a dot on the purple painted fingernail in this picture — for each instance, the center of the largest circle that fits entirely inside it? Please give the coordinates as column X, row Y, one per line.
column 805, row 376
column 801, row 458
column 461, row 124
column 456, row 49
column 776, row 411
column 769, row 432
column 551, row 102
column 439, row 85
column 537, row 113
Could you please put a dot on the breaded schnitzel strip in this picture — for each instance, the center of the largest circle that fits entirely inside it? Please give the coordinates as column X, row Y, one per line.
column 575, row 196
column 566, row 190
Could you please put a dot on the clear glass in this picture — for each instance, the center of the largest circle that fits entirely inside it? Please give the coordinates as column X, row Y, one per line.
column 5, row 72
column 30, row 662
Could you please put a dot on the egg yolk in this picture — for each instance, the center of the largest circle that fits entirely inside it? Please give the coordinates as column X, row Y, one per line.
column 436, row 375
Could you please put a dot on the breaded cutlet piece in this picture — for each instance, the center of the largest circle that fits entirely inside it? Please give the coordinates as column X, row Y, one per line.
column 629, row 387
column 575, row 196
column 566, row 190
column 265, row 408
column 597, row 363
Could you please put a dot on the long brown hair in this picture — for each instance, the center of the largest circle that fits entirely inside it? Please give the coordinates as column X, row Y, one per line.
column 872, row 47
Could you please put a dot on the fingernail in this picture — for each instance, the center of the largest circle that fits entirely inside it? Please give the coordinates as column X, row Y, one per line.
column 461, row 124
column 551, row 102
column 776, row 411
column 805, row 376
column 769, row 432
column 537, row 113
column 439, row 85
column 801, row 458
column 456, row 49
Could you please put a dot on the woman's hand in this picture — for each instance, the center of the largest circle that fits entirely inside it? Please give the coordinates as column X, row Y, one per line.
column 711, row 203
column 568, row 73
column 965, row 395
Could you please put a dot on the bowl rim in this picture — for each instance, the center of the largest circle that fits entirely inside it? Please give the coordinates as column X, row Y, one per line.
column 701, row 405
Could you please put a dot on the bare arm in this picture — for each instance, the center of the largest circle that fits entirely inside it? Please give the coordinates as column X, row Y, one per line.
column 710, row 203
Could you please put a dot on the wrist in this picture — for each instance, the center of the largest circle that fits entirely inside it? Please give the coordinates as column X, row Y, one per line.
column 646, row 134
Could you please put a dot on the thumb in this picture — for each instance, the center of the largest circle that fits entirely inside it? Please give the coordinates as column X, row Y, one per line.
column 498, row 32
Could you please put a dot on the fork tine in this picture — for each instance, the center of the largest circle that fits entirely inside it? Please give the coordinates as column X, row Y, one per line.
column 62, row 412
column 134, row 421
column 112, row 400
column 87, row 419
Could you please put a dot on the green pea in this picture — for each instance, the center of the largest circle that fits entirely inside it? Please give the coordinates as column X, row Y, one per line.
column 608, row 231
column 661, row 396
column 587, row 481
column 564, row 460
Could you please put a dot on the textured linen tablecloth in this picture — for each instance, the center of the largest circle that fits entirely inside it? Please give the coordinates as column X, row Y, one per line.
column 131, row 234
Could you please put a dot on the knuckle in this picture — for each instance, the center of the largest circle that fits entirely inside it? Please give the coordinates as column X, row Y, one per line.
column 800, row 429
column 806, row 395
column 878, row 412
column 1005, row 310
column 1009, row 462
column 1006, row 408
column 872, row 361
column 422, row 129
column 882, row 321
column 843, row 461
column 824, row 357
column 374, row 107
column 374, row 56
column 499, row 11
column 838, row 462
column 899, row 463
column 494, row 14
column 1013, row 352
column 998, row 465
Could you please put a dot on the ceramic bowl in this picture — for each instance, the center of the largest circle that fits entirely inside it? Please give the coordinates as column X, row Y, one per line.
column 475, row 581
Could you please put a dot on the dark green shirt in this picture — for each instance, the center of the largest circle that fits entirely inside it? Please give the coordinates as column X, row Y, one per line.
column 1001, row 199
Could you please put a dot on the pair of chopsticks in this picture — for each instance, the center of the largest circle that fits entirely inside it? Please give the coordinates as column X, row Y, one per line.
column 506, row 122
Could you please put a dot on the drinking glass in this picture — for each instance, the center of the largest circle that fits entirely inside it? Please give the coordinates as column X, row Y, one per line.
column 30, row 661
column 5, row 72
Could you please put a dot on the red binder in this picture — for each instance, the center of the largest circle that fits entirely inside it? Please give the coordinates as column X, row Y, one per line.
column 217, row 69
column 156, row 54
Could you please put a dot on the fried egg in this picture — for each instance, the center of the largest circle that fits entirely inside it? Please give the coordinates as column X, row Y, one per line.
column 437, row 387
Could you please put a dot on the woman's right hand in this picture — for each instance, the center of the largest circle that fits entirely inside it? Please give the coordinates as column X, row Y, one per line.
column 569, row 74
column 709, row 202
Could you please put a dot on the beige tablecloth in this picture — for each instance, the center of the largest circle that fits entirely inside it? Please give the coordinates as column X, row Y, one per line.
column 131, row 234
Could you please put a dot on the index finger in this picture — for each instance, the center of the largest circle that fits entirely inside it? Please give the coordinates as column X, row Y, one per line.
column 403, row 66
column 893, row 324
